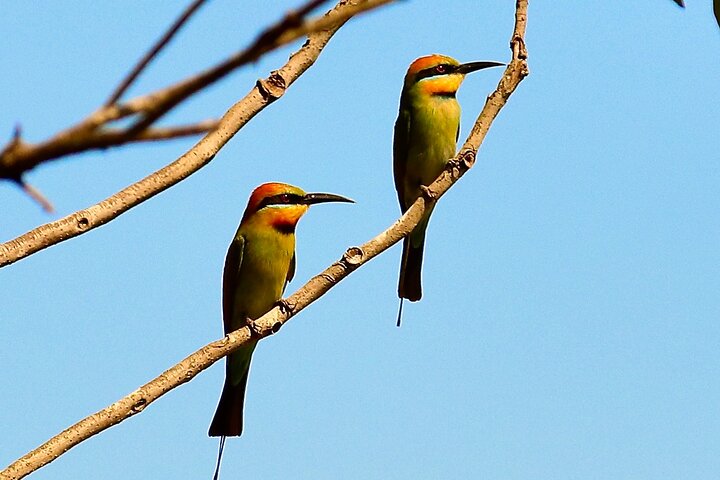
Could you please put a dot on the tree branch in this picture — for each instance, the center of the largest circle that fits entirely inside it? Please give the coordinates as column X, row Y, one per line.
column 153, row 52
column 19, row 156
column 108, row 136
column 36, row 195
column 272, row 321
column 264, row 93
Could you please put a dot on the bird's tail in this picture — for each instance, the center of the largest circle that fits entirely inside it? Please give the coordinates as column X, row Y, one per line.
column 221, row 447
column 410, row 285
column 228, row 419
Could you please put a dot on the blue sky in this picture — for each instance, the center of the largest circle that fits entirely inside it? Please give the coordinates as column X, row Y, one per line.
column 569, row 327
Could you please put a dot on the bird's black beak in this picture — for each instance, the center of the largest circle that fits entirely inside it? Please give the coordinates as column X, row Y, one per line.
column 466, row 68
column 313, row 198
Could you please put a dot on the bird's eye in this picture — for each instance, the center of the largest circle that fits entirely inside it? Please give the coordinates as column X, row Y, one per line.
column 285, row 198
column 441, row 69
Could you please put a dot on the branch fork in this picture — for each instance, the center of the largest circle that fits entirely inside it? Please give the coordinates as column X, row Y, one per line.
column 317, row 286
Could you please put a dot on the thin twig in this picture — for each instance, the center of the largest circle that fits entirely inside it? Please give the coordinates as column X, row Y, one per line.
column 152, row 53
column 19, row 157
column 32, row 192
column 344, row 10
column 36, row 195
column 272, row 321
column 265, row 92
column 159, row 133
column 287, row 30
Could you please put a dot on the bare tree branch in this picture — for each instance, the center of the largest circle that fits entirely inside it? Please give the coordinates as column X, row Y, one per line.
column 36, row 195
column 112, row 136
column 153, row 52
column 31, row 191
column 19, row 156
column 265, row 92
column 272, row 321
column 287, row 30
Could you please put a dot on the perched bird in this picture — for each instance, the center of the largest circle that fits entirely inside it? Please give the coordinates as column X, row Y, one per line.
column 259, row 264
column 426, row 133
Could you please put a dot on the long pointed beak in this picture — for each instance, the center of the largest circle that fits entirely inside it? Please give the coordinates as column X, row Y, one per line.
column 474, row 66
column 313, row 198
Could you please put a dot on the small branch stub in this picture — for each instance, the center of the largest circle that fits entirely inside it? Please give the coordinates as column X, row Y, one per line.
column 139, row 406
column 14, row 144
column 273, row 87
column 83, row 223
column 518, row 47
column 353, row 256
column 468, row 158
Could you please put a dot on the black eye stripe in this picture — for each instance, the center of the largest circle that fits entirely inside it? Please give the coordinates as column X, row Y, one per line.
column 433, row 71
column 281, row 199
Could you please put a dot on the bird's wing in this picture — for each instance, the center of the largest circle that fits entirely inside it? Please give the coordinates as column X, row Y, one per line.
column 400, row 152
column 291, row 270
column 233, row 260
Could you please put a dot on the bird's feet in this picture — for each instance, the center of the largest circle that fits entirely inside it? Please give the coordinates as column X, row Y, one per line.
column 285, row 309
column 254, row 328
column 427, row 192
column 283, row 306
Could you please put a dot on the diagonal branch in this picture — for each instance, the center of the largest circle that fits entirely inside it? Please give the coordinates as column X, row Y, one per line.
column 36, row 195
column 153, row 52
column 287, row 30
column 114, row 136
column 19, row 156
column 272, row 321
column 264, row 93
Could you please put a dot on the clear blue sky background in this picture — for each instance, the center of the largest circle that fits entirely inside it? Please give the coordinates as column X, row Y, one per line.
column 569, row 327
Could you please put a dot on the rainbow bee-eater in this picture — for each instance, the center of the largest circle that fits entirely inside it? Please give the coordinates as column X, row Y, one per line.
column 259, row 264
column 426, row 133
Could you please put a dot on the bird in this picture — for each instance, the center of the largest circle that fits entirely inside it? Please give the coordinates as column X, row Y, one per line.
column 259, row 263
column 425, row 138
